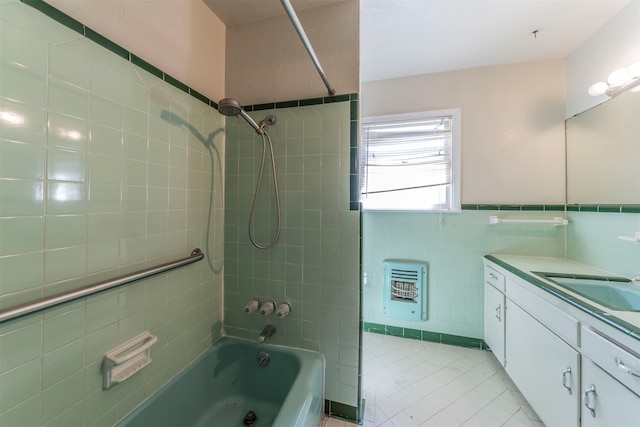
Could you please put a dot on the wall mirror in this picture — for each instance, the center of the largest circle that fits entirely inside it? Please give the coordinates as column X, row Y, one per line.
column 603, row 153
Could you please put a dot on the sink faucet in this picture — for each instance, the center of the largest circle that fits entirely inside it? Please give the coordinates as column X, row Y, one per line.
column 268, row 331
column 636, row 279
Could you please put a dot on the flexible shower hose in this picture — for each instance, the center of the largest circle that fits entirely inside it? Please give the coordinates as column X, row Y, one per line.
column 265, row 138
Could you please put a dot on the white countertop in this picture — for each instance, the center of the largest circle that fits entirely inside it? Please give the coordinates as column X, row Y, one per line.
column 527, row 265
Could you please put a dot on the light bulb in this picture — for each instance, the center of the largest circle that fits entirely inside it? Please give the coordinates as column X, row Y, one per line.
column 598, row 88
column 619, row 77
column 634, row 69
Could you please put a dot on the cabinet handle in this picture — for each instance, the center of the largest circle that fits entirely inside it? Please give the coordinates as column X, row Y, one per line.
column 625, row 368
column 498, row 312
column 493, row 276
column 566, row 374
column 587, row 401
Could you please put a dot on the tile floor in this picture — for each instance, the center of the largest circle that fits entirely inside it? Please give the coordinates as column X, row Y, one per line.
column 333, row 422
column 416, row 383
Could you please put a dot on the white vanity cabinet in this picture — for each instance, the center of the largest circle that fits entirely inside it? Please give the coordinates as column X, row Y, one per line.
column 574, row 369
column 544, row 367
column 606, row 402
column 494, row 314
column 610, row 383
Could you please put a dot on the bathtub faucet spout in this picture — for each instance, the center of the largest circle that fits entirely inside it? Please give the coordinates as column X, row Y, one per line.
column 267, row 332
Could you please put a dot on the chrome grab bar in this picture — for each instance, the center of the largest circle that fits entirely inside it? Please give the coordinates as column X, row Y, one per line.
column 47, row 302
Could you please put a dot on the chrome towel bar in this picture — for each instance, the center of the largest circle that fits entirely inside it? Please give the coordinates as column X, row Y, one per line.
column 557, row 221
column 47, row 302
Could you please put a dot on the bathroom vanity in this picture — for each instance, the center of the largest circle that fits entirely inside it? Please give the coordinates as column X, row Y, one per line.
column 568, row 335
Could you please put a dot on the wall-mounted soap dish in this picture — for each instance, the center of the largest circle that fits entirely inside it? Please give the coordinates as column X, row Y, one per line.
column 127, row 359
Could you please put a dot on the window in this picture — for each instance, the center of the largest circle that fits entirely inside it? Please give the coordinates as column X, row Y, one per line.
column 411, row 162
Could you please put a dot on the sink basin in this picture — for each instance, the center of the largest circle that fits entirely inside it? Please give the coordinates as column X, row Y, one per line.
column 612, row 292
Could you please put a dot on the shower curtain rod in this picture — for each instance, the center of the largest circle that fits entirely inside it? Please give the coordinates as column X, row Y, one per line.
column 46, row 302
column 307, row 44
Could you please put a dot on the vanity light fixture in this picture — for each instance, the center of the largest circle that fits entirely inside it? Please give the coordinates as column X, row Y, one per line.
column 619, row 81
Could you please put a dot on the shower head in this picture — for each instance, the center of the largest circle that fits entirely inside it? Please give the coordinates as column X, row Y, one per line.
column 231, row 107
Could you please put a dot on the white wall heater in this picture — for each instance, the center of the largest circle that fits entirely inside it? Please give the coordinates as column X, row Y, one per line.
column 405, row 289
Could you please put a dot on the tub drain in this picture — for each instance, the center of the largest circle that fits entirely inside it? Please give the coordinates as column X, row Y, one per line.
column 263, row 358
column 250, row 419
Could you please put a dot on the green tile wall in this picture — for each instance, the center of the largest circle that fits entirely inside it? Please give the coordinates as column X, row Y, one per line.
column 453, row 246
column 315, row 264
column 593, row 239
column 95, row 184
column 416, row 334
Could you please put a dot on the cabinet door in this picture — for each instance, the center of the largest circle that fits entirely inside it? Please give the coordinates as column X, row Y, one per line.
column 613, row 404
column 494, row 321
column 544, row 367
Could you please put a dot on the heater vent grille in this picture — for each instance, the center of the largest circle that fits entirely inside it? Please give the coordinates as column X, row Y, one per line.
column 397, row 274
column 405, row 289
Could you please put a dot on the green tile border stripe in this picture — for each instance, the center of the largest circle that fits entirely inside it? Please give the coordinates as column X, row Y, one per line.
column 421, row 335
column 609, row 208
column 354, row 163
column 71, row 23
column 116, row 49
column 354, row 203
column 353, row 97
column 106, row 43
column 354, row 126
column 92, row 35
column 56, row 15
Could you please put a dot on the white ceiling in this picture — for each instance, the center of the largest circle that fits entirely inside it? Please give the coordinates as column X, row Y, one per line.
column 402, row 38
column 233, row 12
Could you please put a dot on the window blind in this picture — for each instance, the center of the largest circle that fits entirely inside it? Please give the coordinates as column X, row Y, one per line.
column 401, row 156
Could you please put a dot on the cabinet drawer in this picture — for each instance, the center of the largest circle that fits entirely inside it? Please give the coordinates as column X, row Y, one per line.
column 494, row 278
column 552, row 317
column 618, row 362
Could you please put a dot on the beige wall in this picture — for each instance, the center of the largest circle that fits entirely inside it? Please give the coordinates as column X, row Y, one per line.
column 267, row 62
column 512, row 126
column 182, row 38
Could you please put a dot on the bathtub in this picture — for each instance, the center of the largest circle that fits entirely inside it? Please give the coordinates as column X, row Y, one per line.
column 225, row 383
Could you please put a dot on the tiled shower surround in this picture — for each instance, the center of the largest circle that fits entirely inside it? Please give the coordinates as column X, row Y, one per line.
column 315, row 264
column 105, row 169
